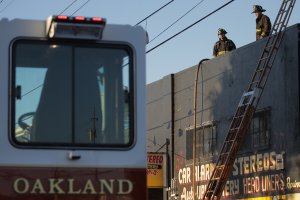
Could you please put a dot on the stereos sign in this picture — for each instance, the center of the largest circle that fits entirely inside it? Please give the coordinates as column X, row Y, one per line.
column 155, row 170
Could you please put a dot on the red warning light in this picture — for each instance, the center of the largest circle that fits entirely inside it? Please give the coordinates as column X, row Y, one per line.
column 79, row 18
column 79, row 27
column 97, row 19
column 62, row 17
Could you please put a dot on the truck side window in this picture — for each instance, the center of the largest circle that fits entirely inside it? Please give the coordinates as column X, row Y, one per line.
column 69, row 94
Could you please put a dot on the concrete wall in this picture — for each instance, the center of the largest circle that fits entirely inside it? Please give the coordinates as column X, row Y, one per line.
column 221, row 83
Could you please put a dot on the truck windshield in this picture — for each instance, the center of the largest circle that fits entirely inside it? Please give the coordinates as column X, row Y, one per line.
column 67, row 94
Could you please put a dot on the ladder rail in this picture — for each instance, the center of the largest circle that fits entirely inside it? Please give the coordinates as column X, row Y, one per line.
column 277, row 36
column 247, row 106
column 228, row 163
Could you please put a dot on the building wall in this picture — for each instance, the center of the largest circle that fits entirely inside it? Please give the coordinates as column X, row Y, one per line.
column 259, row 170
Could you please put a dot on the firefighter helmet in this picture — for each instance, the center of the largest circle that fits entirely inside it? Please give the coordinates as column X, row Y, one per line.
column 258, row 8
column 221, row 30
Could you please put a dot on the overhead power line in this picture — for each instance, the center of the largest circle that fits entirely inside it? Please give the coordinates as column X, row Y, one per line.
column 154, row 12
column 67, row 7
column 80, row 7
column 177, row 20
column 190, row 26
column 6, row 5
column 164, row 147
column 75, row 10
column 32, row 90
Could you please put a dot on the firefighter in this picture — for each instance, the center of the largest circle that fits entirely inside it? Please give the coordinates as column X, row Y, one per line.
column 223, row 45
column 263, row 23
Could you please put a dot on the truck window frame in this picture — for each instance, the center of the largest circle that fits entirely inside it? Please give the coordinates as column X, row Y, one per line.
column 74, row 44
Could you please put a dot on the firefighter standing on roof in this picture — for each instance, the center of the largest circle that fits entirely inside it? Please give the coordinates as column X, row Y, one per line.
column 223, row 45
column 263, row 23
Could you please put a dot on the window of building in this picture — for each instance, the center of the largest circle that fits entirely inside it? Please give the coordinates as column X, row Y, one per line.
column 206, row 141
column 258, row 135
column 260, row 129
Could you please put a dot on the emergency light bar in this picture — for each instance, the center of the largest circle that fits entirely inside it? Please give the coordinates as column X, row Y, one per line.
column 79, row 27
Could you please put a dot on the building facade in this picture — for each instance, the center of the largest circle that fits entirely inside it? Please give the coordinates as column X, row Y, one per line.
column 190, row 127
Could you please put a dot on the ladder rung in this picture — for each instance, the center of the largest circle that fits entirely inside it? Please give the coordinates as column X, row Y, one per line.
column 240, row 116
column 229, row 141
column 215, row 179
column 254, row 82
column 275, row 30
column 264, row 58
column 235, row 125
column 283, row 11
column 277, row 24
column 232, row 134
column 270, row 46
column 219, row 167
column 234, row 129
column 260, row 70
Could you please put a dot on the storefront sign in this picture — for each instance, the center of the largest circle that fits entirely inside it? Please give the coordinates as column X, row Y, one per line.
column 155, row 170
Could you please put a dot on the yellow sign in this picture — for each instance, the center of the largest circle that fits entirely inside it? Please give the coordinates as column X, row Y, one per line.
column 155, row 170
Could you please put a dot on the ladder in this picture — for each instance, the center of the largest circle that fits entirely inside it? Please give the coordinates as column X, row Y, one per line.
column 247, row 105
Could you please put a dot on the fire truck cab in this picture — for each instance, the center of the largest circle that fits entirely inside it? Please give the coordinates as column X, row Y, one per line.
column 72, row 120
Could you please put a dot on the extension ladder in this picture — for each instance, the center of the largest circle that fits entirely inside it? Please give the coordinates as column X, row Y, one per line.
column 247, row 105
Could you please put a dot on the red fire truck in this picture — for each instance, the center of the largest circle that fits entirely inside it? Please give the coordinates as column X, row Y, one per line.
column 72, row 120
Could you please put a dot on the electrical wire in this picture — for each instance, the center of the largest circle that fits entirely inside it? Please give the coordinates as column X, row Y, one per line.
column 164, row 147
column 190, row 26
column 6, row 6
column 67, row 7
column 32, row 90
column 177, row 20
column 80, row 7
column 154, row 12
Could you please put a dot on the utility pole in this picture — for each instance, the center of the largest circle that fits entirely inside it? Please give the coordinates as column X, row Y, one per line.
column 93, row 131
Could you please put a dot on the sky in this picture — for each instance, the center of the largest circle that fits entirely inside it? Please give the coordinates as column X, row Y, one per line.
column 183, row 51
